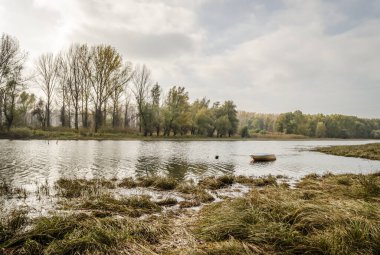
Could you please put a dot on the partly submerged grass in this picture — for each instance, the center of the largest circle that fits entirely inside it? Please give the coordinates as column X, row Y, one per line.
column 328, row 214
column 224, row 181
column 73, row 188
column 157, row 182
column 368, row 151
column 11, row 223
column 6, row 189
column 133, row 206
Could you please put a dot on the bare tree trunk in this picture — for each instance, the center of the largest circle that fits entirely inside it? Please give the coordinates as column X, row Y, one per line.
column 48, row 114
column 126, row 117
column 76, row 118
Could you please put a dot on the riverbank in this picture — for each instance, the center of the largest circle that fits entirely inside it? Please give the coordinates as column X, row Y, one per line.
column 329, row 214
column 367, row 151
column 83, row 134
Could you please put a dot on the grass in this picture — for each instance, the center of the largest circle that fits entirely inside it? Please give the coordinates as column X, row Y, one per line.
column 157, row 182
column 133, row 206
column 224, row 181
column 368, row 151
column 286, row 221
column 84, row 234
column 322, row 214
column 73, row 188
column 170, row 201
column 6, row 189
column 13, row 222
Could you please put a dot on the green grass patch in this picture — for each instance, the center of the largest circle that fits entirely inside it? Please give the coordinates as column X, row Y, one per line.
column 133, row 206
column 368, row 151
column 322, row 217
column 73, row 188
column 84, row 234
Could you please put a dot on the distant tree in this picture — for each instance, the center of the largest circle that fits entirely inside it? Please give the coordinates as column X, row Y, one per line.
column 156, row 110
column 24, row 105
column 229, row 109
column 320, row 130
column 10, row 95
column 40, row 113
column 177, row 115
column 103, row 70
column 244, row 132
column 12, row 60
column 142, row 82
column 47, row 76
column 121, row 81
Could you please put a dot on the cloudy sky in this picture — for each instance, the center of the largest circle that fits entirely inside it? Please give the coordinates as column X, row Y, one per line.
column 267, row 56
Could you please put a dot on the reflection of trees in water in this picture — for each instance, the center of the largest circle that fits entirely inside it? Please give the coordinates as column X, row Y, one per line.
column 179, row 168
column 147, row 166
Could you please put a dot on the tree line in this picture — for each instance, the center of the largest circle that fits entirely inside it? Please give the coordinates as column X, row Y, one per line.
column 312, row 125
column 95, row 88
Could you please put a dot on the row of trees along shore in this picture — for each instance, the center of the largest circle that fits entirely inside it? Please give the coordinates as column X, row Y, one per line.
column 311, row 125
column 94, row 88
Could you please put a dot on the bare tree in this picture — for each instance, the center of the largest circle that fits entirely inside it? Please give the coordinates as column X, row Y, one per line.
column 121, row 79
column 62, row 88
column 75, row 79
column 46, row 68
column 85, row 58
column 142, row 82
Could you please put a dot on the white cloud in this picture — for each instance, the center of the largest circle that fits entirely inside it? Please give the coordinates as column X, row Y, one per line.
column 272, row 56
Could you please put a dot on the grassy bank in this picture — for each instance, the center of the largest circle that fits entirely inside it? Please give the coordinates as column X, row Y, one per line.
column 330, row 214
column 109, row 134
column 368, row 151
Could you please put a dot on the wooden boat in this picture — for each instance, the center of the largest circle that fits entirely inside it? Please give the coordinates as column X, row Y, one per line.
column 263, row 157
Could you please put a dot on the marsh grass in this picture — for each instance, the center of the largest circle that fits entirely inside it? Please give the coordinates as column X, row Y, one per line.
column 73, row 188
column 132, row 206
column 368, row 151
column 344, row 185
column 328, row 214
column 217, row 182
column 197, row 194
column 84, row 234
column 170, row 201
column 6, row 189
column 230, row 247
column 11, row 223
column 309, row 220
column 157, row 182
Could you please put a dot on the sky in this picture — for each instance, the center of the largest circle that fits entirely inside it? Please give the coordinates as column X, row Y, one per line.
column 268, row 56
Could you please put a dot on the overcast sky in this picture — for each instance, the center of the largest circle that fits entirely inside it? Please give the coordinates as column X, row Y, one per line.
column 267, row 56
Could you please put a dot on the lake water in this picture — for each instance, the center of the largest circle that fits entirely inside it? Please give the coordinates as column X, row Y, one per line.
column 26, row 163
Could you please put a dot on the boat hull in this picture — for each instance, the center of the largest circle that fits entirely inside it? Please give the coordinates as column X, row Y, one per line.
column 263, row 158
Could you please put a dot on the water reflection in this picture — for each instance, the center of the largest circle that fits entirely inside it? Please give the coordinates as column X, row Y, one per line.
column 26, row 162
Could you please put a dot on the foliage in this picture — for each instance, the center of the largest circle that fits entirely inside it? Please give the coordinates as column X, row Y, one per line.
column 309, row 125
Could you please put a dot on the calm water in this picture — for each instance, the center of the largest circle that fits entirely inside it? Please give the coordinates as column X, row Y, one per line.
column 29, row 162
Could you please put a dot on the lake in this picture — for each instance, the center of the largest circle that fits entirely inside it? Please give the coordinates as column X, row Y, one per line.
column 25, row 163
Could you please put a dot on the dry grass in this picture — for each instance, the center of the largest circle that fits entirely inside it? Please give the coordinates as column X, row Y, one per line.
column 84, row 234
column 368, row 151
column 322, row 216
column 133, row 206
column 328, row 214
column 74, row 188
